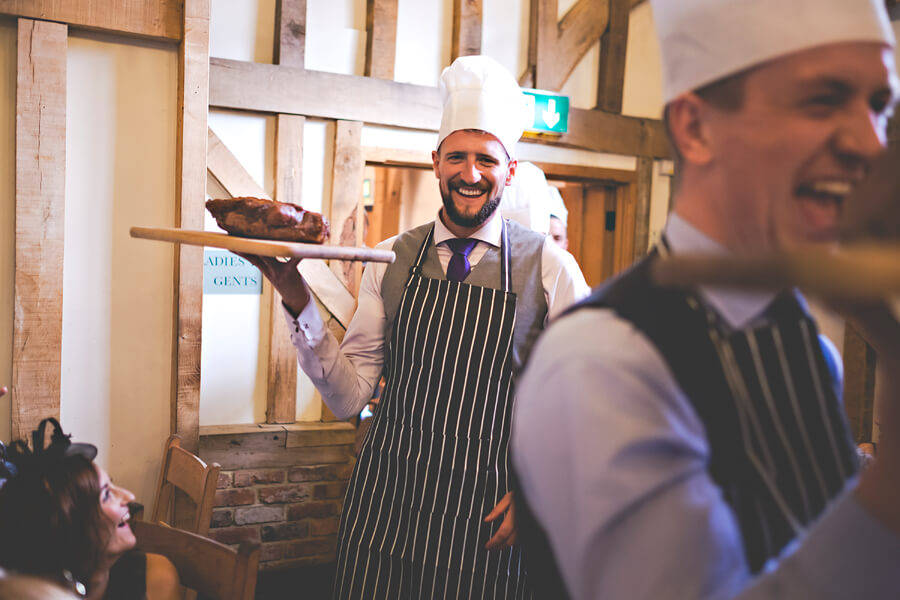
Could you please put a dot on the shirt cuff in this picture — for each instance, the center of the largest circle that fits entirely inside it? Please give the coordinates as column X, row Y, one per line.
column 308, row 324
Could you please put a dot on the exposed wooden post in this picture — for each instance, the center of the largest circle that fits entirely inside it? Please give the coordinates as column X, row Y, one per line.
column 40, row 220
column 643, row 190
column 466, row 39
column 281, row 396
column 859, row 384
column 290, row 32
column 381, row 38
column 193, row 106
column 281, row 384
column 559, row 46
column 346, row 195
column 613, row 45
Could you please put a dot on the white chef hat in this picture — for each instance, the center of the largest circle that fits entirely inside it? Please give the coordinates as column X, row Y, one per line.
column 557, row 206
column 702, row 41
column 527, row 199
column 479, row 93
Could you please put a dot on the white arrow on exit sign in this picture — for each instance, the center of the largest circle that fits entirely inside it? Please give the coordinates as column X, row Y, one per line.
column 551, row 117
column 549, row 111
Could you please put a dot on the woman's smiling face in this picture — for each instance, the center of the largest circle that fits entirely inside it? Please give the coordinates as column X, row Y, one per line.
column 114, row 506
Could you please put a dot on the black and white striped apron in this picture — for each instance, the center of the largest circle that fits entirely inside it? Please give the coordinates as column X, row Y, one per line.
column 795, row 451
column 796, row 448
column 434, row 462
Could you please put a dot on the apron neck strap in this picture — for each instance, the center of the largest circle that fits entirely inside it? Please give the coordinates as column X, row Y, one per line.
column 505, row 264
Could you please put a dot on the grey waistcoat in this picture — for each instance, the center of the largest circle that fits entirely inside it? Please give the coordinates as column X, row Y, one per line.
column 526, row 249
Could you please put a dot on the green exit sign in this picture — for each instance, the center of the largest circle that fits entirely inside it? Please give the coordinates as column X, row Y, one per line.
column 549, row 111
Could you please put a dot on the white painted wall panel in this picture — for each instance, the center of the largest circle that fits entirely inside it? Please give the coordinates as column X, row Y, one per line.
column 118, row 291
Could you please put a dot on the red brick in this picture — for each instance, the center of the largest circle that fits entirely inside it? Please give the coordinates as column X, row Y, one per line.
column 327, row 526
column 313, row 473
column 270, row 552
column 258, row 514
column 284, row 531
column 235, row 497
column 306, row 510
column 257, row 476
column 224, row 480
column 235, row 535
column 222, row 517
column 310, row 547
column 331, row 491
column 283, row 493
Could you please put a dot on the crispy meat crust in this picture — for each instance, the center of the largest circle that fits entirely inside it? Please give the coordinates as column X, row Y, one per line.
column 268, row 219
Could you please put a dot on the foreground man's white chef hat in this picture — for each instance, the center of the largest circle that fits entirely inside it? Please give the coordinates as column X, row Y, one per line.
column 527, row 199
column 477, row 92
column 702, row 41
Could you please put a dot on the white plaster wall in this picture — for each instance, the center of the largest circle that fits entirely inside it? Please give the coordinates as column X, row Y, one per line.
column 118, row 291
column 423, row 40
column 7, row 212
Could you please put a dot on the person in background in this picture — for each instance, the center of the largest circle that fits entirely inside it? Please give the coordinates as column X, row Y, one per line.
column 532, row 202
column 559, row 217
column 62, row 519
column 429, row 512
column 695, row 446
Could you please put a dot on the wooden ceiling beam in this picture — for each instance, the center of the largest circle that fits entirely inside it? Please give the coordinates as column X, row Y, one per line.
column 467, row 23
column 154, row 19
column 257, row 87
column 381, row 38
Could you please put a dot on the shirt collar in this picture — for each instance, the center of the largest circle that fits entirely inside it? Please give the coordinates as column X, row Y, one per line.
column 490, row 232
column 738, row 307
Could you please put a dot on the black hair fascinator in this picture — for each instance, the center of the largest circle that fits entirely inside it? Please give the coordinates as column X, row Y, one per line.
column 17, row 457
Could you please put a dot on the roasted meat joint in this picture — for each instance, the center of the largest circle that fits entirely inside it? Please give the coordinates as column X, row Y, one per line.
column 268, row 219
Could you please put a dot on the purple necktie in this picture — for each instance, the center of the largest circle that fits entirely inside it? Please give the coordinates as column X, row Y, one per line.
column 459, row 266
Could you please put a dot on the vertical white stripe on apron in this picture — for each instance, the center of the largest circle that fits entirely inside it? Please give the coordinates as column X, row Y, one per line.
column 795, row 406
column 776, row 421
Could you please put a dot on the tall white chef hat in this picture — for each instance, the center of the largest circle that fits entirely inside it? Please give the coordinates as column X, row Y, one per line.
column 479, row 93
column 702, row 41
column 557, row 206
column 527, row 199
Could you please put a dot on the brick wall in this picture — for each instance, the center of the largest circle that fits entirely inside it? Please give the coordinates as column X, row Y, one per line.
column 267, row 494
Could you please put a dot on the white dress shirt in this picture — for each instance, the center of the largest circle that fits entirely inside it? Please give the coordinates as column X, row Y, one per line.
column 346, row 375
column 614, row 458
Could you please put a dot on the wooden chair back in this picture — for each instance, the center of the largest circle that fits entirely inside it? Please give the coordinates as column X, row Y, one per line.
column 184, row 471
column 212, row 569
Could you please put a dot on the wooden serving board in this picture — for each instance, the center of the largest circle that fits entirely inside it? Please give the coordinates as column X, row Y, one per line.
column 858, row 272
column 261, row 247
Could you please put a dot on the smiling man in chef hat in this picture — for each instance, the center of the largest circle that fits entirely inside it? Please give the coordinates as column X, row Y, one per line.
column 695, row 446
column 429, row 512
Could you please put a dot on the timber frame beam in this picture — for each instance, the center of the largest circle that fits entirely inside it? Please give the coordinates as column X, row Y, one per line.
column 153, row 19
column 257, row 87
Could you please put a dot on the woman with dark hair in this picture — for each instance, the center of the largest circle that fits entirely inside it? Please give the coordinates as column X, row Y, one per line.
column 62, row 518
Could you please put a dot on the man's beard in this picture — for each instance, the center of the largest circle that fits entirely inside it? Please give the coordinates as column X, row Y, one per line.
column 483, row 214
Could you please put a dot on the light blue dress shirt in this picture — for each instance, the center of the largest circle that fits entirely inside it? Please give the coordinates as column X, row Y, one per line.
column 613, row 459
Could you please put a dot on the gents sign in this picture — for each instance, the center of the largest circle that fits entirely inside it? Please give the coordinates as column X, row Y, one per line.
column 549, row 111
column 227, row 273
